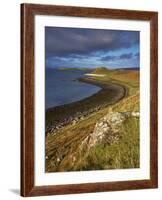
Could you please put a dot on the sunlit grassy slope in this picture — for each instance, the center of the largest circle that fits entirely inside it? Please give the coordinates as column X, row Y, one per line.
column 64, row 151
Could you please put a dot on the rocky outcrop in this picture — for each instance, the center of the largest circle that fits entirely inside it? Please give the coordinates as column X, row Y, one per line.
column 107, row 130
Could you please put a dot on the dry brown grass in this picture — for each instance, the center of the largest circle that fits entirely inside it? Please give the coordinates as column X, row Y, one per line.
column 126, row 76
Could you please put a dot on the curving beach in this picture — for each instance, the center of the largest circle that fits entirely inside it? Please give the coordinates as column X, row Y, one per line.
column 59, row 116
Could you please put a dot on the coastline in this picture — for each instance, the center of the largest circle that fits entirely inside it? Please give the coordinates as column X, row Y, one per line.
column 60, row 116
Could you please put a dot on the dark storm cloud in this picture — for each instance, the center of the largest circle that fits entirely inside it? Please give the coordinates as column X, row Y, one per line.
column 70, row 57
column 76, row 41
column 108, row 58
column 126, row 56
column 121, row 57
column 137, row 55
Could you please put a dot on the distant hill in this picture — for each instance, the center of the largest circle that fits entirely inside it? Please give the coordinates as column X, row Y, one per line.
column 130, row 75
column 101, row 70
column 105, row 70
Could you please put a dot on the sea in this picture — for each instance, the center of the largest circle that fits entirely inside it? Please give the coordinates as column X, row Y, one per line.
column 62, row 87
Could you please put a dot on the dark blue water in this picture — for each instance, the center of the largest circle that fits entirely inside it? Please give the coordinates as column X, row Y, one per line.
column 60, row 87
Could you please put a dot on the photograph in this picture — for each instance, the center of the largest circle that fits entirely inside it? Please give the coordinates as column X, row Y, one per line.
column 92, row 99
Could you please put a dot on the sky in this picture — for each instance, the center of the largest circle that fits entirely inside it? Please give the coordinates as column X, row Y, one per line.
column 91, row 48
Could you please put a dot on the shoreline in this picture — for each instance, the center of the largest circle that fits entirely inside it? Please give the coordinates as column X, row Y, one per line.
column 60, row 116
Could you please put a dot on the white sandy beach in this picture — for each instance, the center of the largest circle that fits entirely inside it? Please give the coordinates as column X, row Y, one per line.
column 99, row 75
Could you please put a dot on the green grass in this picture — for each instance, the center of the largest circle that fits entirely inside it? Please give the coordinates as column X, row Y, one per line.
column 120, row 155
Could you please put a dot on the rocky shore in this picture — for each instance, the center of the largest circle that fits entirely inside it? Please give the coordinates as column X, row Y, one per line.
column 60, row 116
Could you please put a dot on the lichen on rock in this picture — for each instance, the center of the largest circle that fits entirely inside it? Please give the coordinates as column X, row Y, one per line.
column 108, row 129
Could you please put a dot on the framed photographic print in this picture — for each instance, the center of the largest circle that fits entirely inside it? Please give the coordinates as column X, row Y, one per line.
column 88, row 99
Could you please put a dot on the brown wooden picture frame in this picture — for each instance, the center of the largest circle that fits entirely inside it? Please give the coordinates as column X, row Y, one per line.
column 28, row 12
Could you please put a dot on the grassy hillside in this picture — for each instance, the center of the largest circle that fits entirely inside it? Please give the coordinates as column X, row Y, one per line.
column 68, row 150
column 101, row 70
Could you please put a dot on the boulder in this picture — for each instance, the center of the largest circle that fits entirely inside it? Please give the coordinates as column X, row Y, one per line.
column 107, row 129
